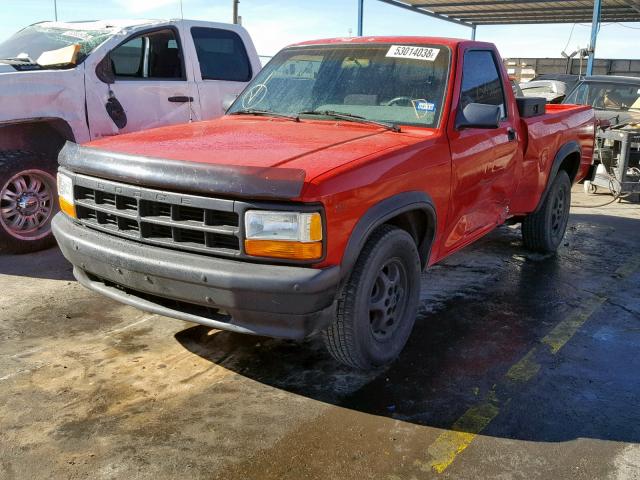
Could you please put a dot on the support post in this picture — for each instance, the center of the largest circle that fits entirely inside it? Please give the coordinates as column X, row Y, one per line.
column 473, row 32
column 360, row 16
column 235, row 11
column 595, row 27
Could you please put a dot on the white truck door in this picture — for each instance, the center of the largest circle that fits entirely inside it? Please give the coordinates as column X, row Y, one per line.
column 227, row 61
column 153, row 85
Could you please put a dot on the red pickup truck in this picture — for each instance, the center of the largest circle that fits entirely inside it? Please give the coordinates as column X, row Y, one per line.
column 345, row 168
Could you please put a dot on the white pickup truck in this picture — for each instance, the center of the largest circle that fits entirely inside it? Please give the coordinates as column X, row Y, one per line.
column 79, row 81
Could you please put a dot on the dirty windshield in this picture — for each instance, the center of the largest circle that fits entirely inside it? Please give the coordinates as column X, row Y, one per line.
column 394, row 84
column 27, row 45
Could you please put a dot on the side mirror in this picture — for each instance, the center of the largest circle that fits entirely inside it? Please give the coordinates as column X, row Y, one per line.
column 104, row 71
column 478, row 115
column 227, row 101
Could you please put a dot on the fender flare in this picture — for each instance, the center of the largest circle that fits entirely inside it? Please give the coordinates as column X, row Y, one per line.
column 564, row 151
column 383, row 211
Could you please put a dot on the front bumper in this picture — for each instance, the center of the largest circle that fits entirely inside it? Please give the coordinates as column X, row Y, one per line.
column 271, row 300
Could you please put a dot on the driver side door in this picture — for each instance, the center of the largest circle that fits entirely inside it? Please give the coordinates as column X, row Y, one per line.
column 483, row 159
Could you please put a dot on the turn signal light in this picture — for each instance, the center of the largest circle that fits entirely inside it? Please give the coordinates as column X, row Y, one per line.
column 65, row 195
column 283, row 249
column 67, row 208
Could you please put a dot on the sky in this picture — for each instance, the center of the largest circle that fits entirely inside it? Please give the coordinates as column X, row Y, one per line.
column 274, row 24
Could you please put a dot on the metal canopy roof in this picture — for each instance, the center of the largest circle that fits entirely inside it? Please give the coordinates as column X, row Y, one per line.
column 510, row 12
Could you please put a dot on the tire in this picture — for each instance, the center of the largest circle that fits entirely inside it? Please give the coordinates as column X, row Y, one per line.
column 378, row 304
column 544, row 230
column 28, row 201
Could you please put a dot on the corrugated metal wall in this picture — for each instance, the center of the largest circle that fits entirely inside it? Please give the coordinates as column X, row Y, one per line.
column 525, row 68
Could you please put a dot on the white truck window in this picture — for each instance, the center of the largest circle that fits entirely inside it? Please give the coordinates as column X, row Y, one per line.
column 152, row 55
column 221, row 54
column 126, row 60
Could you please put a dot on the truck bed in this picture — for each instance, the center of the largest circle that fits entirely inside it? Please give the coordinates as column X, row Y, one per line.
column 545, row 134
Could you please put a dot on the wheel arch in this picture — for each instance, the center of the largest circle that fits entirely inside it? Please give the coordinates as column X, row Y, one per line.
column 413, row 212
column 567, row 158
column 44, row 135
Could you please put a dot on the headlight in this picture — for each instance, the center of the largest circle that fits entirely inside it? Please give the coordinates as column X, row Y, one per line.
column 293, row 235
column 65, row 195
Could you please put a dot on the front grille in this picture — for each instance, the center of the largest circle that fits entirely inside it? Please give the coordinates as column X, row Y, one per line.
column 186, row 222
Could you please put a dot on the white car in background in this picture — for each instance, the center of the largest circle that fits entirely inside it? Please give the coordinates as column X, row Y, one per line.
column 553, row 91
column 78, row 81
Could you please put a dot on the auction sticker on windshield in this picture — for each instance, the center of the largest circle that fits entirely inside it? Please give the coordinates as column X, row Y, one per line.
column 423, row 107
column 415, row 53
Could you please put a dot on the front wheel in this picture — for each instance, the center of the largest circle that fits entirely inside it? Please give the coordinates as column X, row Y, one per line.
column 27, row 201
column 544, row 230
column 378, row 304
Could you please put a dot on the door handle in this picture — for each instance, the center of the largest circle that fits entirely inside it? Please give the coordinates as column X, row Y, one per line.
column 511, row 134
column 180, row 99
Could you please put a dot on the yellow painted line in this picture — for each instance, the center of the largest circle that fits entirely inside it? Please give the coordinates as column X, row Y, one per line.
column 629, row 267
column 567, row 328
column 449, row 444
column 563, row 331
column 525, row 369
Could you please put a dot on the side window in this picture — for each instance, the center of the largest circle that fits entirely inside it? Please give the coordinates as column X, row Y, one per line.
column 481, row 81
column 127, row 59
column 221, row 54
column 154, row 55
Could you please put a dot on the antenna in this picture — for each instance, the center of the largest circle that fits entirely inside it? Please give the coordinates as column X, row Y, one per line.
column 181, row 11
column 55, row 10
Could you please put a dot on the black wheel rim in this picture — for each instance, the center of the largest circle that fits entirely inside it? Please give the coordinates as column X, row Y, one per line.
column 387, row 302
column 559, row 213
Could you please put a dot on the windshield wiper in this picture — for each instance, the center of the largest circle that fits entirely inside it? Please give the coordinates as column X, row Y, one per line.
column 19, row 59
column 253, row 111
column 350, row 117
column 22, row 61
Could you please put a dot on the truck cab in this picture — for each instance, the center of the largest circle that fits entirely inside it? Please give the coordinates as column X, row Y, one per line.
column 344, row 169
column 80, row 81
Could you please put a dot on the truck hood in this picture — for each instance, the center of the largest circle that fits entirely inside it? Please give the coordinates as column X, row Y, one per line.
column 264, row 142
column 244, row 156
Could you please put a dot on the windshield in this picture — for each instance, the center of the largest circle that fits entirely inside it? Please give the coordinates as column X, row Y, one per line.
column 606, row 96
column 397, row 84
column 33, row 41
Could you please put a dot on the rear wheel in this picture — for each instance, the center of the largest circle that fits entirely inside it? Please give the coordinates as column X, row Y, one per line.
column 378, row 304
column 544, row 230
column 27, row 201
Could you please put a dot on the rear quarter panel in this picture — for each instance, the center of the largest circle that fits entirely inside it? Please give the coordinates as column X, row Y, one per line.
column 544, row 136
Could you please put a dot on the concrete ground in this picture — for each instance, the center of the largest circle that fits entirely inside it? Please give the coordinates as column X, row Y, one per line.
column 520, row 366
